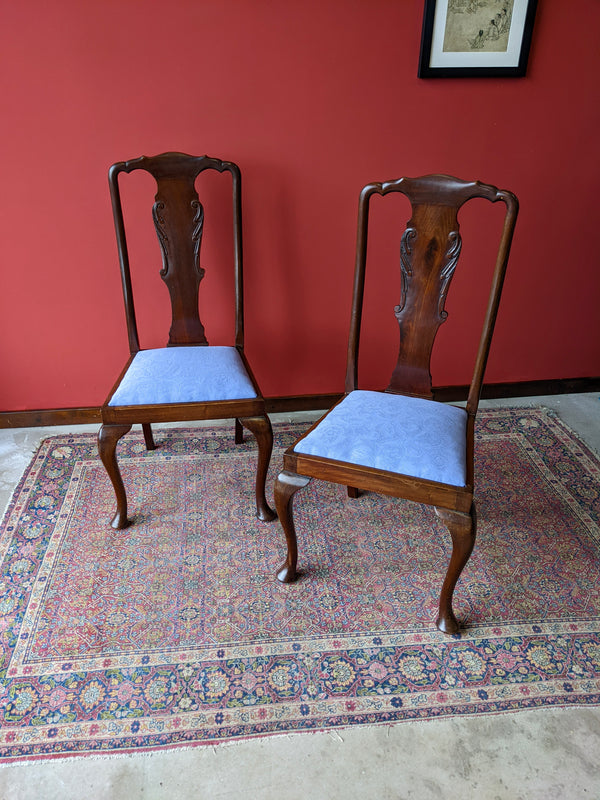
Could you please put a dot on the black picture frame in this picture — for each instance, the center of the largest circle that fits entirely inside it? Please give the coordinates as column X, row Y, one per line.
column 496, row 49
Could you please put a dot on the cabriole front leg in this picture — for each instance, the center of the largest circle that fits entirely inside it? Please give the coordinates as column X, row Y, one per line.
column 260, row 427
column 286, row 486
column 108, row 437
column 463, row 528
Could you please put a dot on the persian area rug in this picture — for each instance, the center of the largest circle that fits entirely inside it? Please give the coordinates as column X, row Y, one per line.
column 176, row 632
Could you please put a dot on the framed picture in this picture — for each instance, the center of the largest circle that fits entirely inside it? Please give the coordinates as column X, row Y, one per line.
column 476, row 38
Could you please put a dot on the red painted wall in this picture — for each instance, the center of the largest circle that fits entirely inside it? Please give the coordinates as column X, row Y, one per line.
column 312, row 99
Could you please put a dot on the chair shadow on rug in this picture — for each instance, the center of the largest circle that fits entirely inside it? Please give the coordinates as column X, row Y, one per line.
column 187, row 379
column 401, row 441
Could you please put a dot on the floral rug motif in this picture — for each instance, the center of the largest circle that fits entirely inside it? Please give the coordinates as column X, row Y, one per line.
column 176, row 632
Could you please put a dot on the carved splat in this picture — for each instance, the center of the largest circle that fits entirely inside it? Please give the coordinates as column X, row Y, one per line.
column 429, row 251
column 179, row 218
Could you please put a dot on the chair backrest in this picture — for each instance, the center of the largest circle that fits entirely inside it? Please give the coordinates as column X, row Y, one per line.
column 179, row 219
column 429, row 250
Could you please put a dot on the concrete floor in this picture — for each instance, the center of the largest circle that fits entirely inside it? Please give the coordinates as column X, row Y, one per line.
column 534, row 755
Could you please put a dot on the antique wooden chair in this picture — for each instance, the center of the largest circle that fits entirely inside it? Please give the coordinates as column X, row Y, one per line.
column 401, row 442
column 187, row 379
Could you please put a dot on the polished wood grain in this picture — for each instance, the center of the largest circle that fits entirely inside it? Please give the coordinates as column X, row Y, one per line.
column 178, row 217
column 430, row 248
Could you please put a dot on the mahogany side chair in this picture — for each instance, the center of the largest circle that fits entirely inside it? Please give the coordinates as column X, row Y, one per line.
column 402, row 442
column 188, row 379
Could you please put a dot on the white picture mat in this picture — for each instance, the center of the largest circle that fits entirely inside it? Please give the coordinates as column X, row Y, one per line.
column 510, row 58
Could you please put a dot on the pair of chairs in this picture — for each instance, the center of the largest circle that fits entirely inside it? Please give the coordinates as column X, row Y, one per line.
column 399, row 442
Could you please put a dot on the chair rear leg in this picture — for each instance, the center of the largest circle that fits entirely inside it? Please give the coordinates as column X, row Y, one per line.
column 108, row 437
column 239, row 432
column 148, row 438
column 260, row 427
column 463, row 529
column 286, row 486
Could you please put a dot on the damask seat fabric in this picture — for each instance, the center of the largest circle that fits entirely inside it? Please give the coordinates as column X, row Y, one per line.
column 404, row 435
column 184, row 375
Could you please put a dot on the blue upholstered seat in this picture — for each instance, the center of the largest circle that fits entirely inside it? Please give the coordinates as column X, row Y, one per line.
column 405, row 435
column 184, row 375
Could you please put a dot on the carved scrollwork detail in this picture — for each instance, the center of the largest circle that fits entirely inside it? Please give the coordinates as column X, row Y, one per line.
column 198, row 223
column 406, row 243
column 451, row 256
column 163, row 239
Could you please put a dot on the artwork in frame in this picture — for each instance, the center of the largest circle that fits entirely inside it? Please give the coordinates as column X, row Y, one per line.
column 476, row 38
